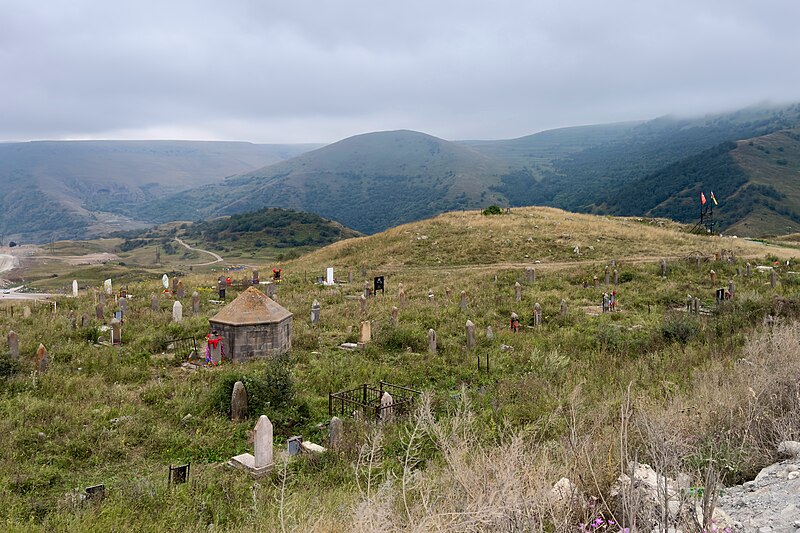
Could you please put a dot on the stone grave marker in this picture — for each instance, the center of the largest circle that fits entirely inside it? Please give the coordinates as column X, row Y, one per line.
column 362, row 300
column 116, row 332
column 430, row 295
column 697, row 262
column 181, row 292
column 731, row 288
column 399, row 289
column 13, row 345
column 42, row 359
column 365, row 292
column 530, row 275
column 175, row 284
column 697, row 306
column 349, row 275
column 537, row 314
column 595, row 282
column 447, row 291
column 107, row 287
column 463, row 300
column 123, row 305
column 518, row 292
column 739, row 270
column 489, row 333
column 165, row 281
column 271, row 287
column 178, row 474
column 238, row 402
column 773, row 278
column 195, row 303
column 663, row 268
column 613, row 263
column 747, row 270
column 102, row 298
column 365, row 332
column 431, row 341
column 26, row 312
column 177, row 312
column 387, row 409
column 154, row 303
column 73, row 320
column 402, row 297
column 395, row 315
column 260, row 463
column 607, row 275
column 564, row 308
column 713, row 276
column 294, row 445
column 316, row 310
column 335, row 433
column 74, row 288
column 85, row 320
column 363, row 271
column 99, row 311
column 616, row 277
column 470, row 327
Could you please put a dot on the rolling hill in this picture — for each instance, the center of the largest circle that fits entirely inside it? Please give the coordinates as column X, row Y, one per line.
column 65, row 189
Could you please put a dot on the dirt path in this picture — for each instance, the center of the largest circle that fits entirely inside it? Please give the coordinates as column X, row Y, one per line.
column 217, row 258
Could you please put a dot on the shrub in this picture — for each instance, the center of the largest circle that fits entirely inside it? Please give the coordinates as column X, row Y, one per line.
column 680, row 328
column 493, row 210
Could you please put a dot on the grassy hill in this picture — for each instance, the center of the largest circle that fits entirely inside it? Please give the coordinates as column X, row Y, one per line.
column 66, row 189
column 577, row 397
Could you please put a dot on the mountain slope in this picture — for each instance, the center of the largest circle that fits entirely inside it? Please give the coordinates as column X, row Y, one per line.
column 58, row 189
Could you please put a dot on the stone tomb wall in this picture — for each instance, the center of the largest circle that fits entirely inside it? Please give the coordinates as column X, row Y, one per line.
column 260, row 340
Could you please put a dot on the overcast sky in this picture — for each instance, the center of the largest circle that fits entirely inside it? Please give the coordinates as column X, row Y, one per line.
column 318, row 71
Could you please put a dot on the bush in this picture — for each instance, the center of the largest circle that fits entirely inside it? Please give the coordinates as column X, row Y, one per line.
column 271, row 390
column 680, row 328
column 493, row 210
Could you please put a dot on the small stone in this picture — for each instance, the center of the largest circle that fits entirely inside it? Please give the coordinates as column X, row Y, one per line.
column 793, row 475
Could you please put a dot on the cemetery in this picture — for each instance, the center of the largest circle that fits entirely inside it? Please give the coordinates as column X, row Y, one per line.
column 515, row 361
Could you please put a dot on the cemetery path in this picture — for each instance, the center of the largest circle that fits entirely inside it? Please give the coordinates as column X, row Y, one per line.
column 217, row 258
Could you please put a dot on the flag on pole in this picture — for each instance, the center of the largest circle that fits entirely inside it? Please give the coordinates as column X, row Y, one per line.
column 713, row 199
column 702, row 199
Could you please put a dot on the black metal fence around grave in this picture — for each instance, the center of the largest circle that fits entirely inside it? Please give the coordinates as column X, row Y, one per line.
column 184, row 347
column 366, row 401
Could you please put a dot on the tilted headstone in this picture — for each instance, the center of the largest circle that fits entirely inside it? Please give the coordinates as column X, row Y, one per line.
column 335, row 433
column 517, row 291
column 74, row 288
column 463, row 300
column 177, row 312
column 364, row 304
column 99, row 311
column 42, row 359
column 387, row 407
column 154, row 303
column 13, row 345
column 537, row 314
column 365, row 332
column 773, row 279
column 116, row 331
column 195, row 303
column 316, row 310
column 395, row 315
column 564, row 308
column 238, row 402
column 470, row 327
column 713, row 276
column 489, row 333
column 263, row 442
column 85, row 320
column 530, row 275
column 431, row 341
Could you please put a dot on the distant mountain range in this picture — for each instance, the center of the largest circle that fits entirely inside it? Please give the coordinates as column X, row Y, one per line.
column 749, row 158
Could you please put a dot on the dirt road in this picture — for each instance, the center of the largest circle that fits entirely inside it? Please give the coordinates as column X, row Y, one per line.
column 217, row 258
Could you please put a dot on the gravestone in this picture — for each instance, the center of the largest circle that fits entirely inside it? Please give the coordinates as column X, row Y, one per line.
column 165, row 281
column 697, row 262
column 697, row 306
column 195, row 303
column 363, row 271
column 395, row 315
column 663, row 268
column 335, row 433
column 773, row 278
column 294, row 445
column 349, row 275
column 605, row 302
column 116, row 332
column 713, row 276
column 431, row 341
column 99, row 311
column 613, row 263
column 564, row 308
column 430, row 295
column 181, row 292
column 616, row 277
column 13, row 345
column 177, row 312
column 739, row 270
column 514, row 322
column 747, row 270
column 178, row 474
column 316, row 309
column 73, row 320
column 123, row 305
column 387, row 409
column 530, row 275
column 364, row 304
column 489, row 333
column 260, row 463
column 399, row 288
column 175, row 285
column 107, row 287
column 447, row 291
column 238, row 402
column 85, row 320
column 463, row 300
column 365, row 292
column 537, row 314
column 42, row 359
column 731, row 288
column 470, row 327
column 154, row 303
column 517, row 291
column 26, row 312
column 607, row 275
column 365, row 332
column 256, row 278
column 378, row 284
column 271, row 287
column 402, row 297
column 595, row 282
column 102, row 298
column 74, row 288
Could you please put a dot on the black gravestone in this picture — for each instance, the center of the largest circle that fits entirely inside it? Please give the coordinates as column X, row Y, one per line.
column 178, row 474
column 377, row 285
